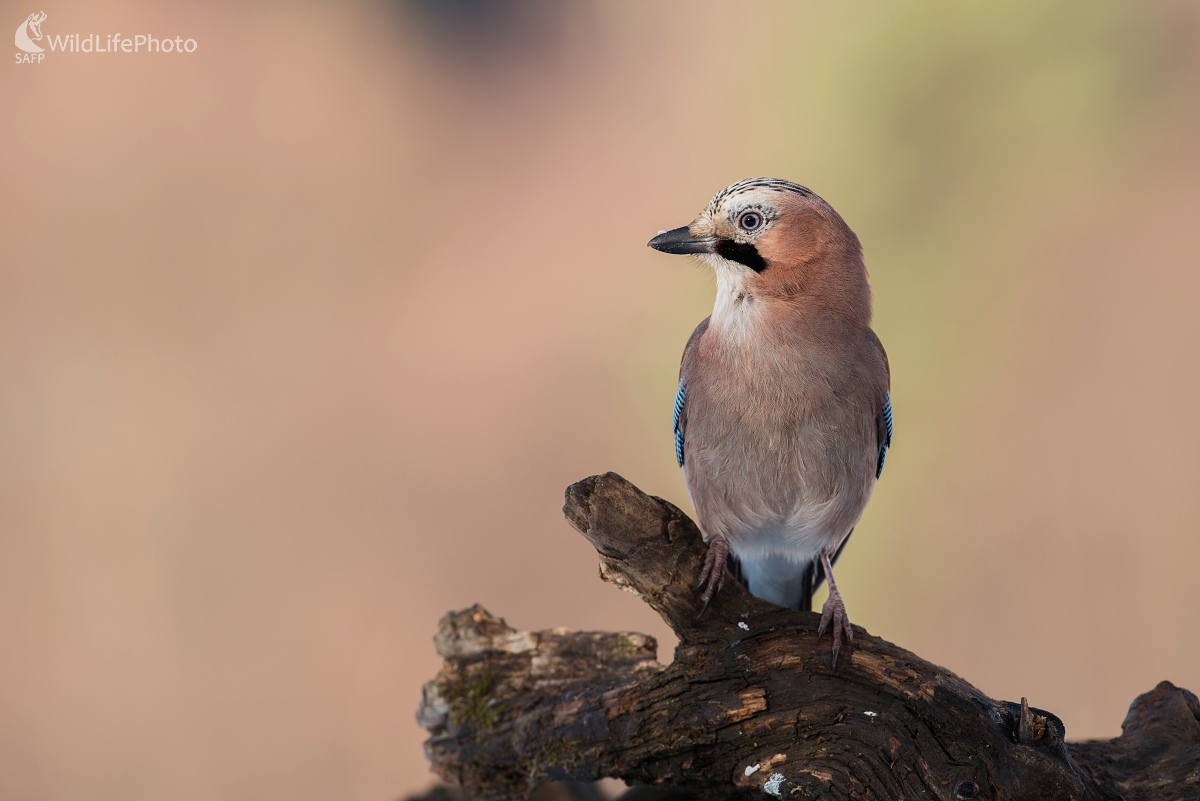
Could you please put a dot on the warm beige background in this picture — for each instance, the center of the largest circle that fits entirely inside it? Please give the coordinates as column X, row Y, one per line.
column 303, row 335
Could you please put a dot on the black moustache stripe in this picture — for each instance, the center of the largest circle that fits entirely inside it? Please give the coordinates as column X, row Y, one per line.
column 742, row 253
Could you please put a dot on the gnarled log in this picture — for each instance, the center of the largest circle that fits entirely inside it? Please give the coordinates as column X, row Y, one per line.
column 751, row 702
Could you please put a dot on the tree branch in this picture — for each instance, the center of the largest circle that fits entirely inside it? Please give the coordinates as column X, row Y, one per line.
column 751, row 703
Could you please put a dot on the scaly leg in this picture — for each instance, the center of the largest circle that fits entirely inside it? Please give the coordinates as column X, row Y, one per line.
column 712, row 577
column 834, row 612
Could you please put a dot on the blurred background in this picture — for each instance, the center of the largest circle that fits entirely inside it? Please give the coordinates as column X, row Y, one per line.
column 302, row 336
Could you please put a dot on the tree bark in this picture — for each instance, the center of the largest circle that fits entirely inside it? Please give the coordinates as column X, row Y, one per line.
column 751, row 703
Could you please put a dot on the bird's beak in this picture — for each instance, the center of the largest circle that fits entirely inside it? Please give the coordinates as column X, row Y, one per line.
column 679, row 240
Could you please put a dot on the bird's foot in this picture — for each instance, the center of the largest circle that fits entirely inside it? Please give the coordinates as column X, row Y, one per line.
column 834, row 612
column 712, row 577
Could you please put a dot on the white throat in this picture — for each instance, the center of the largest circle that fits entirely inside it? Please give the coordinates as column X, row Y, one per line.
column 736, row 311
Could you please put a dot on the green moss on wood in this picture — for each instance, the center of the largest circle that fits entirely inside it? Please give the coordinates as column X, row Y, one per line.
column 471, row 699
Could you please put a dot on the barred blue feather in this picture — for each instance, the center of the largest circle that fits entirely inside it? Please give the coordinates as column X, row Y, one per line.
column 676, row 419
column 887, row 440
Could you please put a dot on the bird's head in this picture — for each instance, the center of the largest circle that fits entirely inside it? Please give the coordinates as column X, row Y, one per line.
column 776, row 239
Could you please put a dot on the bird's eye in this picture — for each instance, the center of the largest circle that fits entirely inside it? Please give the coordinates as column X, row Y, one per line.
column 750, row 221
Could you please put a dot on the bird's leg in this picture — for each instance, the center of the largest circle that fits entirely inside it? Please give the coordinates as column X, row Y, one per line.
column 712, row 577
column 834, row 612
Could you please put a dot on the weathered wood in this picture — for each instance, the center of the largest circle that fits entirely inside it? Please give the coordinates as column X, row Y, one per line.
column 751, row 703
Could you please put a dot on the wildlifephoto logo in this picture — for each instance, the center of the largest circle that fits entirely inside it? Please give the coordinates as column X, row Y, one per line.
column 33, row 45
column 29, row 33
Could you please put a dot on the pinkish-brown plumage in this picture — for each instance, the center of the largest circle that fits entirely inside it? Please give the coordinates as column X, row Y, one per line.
column 784, row 412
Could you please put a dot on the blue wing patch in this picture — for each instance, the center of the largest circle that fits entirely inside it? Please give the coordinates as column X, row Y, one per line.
column 676, row 419
column 886, row 441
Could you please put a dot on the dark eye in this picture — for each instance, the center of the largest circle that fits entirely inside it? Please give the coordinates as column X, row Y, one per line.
column 750, row 221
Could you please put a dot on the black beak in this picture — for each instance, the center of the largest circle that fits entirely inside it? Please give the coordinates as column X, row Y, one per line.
column 678, row 240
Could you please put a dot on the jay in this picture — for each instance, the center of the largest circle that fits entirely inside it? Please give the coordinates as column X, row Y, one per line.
column 783, row 416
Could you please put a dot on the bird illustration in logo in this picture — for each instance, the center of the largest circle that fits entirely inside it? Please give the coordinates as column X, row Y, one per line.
column 29, row 33
column 783, row 416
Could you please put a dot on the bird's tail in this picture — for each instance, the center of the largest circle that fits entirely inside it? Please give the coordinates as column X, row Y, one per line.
column 778, row 580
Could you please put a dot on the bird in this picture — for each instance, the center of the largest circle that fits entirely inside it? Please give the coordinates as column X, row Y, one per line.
column 783, row 414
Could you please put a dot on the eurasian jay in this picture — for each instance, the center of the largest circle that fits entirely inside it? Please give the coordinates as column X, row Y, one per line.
column 783, row 416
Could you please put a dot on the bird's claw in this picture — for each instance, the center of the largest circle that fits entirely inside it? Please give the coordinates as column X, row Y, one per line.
column 834, row 612
column 712, row 576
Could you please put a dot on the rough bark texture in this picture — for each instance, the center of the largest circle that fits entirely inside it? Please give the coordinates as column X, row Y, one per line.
column 751, row 703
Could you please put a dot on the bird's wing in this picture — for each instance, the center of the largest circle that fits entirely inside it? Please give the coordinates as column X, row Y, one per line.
column 678, row 421
column 679, row 418
column 814, row 572
column 883, row 424
column 883, row 419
